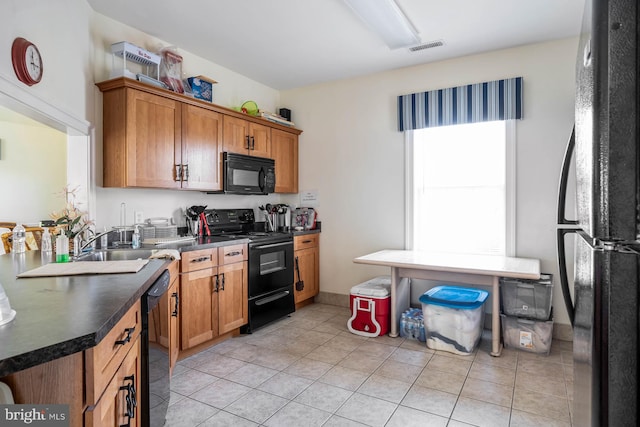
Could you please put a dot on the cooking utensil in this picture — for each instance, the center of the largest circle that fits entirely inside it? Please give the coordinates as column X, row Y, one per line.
column 203, row 224
column 299, row 283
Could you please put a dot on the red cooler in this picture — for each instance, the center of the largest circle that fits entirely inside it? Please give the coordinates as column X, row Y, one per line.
column 370, row 307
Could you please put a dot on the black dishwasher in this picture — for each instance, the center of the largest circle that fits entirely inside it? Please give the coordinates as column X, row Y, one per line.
column 155, row 357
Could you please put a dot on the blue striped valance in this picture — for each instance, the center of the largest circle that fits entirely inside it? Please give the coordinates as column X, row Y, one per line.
column 481, row 102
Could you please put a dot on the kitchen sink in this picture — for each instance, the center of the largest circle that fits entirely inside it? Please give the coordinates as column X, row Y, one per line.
column 116, row 255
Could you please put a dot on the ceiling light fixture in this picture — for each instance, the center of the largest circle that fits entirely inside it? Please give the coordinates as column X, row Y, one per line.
column 386, row 19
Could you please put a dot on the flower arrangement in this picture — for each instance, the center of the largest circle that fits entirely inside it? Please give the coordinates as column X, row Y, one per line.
column 71, row 221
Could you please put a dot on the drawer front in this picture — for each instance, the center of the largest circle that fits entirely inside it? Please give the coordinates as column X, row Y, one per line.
column 196, row 260
column 305, row 241
column 232, row 254
column 103, row 360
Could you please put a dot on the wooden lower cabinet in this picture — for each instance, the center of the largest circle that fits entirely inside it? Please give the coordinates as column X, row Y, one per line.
column 119, row 404
column 163, row 319
column 307, row 261
column 213, row 300
column 60, row 381
column 198, row 307
column 99, row 384
column 232, row 297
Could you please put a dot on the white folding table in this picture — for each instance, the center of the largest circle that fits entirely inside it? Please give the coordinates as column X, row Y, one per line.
column 483, row 270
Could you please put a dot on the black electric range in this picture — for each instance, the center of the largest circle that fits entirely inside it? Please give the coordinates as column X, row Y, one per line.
column 270, row 263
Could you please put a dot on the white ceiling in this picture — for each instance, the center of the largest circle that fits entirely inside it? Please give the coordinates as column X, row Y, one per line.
column 286, row 44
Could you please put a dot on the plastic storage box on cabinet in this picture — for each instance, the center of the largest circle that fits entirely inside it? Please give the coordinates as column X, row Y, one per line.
column 526, row 334
column 370, row 307
column 453, row 318
column 527, row 298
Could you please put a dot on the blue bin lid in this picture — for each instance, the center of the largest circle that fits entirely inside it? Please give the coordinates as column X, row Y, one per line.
column 454, row 297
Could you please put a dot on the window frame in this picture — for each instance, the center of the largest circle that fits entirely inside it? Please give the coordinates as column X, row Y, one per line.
column 510, row 188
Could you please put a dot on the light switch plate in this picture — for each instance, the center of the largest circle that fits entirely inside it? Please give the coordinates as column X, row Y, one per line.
column 138, row 217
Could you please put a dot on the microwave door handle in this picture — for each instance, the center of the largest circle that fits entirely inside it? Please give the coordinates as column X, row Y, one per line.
column 262, row 180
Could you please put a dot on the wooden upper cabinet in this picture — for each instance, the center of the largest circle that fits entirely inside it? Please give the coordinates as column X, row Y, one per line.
column 245, row 137
column 156, row 138
column 284, row 150
column 201, row 148
column 141, row 139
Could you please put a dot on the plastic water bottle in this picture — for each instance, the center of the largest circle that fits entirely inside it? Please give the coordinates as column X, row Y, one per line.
column 19, row 239
column 135, row 239
column 46, row 245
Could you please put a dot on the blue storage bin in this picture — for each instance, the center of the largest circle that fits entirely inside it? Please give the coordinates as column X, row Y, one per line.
column 453, row 318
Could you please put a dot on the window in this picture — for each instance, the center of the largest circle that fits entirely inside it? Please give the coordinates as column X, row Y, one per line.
column 460, row 188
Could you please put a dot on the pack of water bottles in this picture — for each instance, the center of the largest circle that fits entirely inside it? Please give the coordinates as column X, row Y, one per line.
column 412, row 324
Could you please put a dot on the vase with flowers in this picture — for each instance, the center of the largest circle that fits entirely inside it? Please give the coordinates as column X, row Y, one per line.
column 71, row 221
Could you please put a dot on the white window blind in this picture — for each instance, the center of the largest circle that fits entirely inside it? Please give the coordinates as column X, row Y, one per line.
column 460, row 190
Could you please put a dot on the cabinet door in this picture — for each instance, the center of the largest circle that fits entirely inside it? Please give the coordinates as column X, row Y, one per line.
column 202, row 148
column 235, row 135
column 232, row 298
column 284, row 150
column 153, row 141
column 116, row 403
column 198, row 292
column 260, row 140
column 174, row 314
column 309, row 264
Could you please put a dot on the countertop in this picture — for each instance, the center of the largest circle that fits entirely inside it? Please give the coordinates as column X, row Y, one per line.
column 59, row 316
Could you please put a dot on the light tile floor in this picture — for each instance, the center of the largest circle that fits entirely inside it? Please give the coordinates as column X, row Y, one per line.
column 309, row 370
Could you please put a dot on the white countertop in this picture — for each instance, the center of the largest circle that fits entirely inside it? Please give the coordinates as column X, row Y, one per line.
column 488, row 265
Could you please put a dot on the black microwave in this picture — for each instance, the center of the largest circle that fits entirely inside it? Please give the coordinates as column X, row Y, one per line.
column 248, row 174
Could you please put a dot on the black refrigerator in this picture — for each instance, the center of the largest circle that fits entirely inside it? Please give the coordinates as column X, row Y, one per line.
column 602, row 300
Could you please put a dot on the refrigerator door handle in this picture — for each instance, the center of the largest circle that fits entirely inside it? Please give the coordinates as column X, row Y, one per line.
column 564, row 177
column 562, row 267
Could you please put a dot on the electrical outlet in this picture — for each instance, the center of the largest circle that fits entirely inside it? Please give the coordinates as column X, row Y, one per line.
column 138, row 217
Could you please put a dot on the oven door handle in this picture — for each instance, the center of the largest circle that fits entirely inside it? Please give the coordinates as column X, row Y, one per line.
column 272, row 245
column 272, row 298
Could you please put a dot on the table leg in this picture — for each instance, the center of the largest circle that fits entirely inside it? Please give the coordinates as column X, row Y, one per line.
column 395, row 278
column 496, row 348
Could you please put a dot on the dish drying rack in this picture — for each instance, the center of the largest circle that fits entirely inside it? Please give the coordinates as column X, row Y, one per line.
column 130, row 52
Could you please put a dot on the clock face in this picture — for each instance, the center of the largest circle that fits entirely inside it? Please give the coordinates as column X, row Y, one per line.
column 34, row 63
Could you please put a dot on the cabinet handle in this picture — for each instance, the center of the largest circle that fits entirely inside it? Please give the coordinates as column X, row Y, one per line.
column 177, row 174
column 175, row 308
column 253, row 143
column 129, row 331
column 248, row 145
column 201, row 259
column 307, row 241
column 234, row 253
column 222, row 287
column 216, row 288
column 185, row 173
column 130, row 398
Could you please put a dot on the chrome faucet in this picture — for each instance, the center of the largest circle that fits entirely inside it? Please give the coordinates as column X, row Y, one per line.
column 95, row 237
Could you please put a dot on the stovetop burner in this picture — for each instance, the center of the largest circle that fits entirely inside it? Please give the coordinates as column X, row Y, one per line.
column 238, row 224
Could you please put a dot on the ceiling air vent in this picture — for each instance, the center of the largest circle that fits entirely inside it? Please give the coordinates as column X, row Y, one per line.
column 427, row 45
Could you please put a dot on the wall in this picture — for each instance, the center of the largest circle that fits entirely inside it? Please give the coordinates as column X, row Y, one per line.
column 33, row 162
column 352, row 153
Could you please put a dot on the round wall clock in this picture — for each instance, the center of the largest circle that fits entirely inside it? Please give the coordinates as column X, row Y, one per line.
column 27, row 62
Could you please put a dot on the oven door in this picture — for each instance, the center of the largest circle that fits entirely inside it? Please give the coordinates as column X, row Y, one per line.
column 270, row 267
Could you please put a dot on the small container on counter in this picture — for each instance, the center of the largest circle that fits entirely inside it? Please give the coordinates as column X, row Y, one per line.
column 62, row 248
